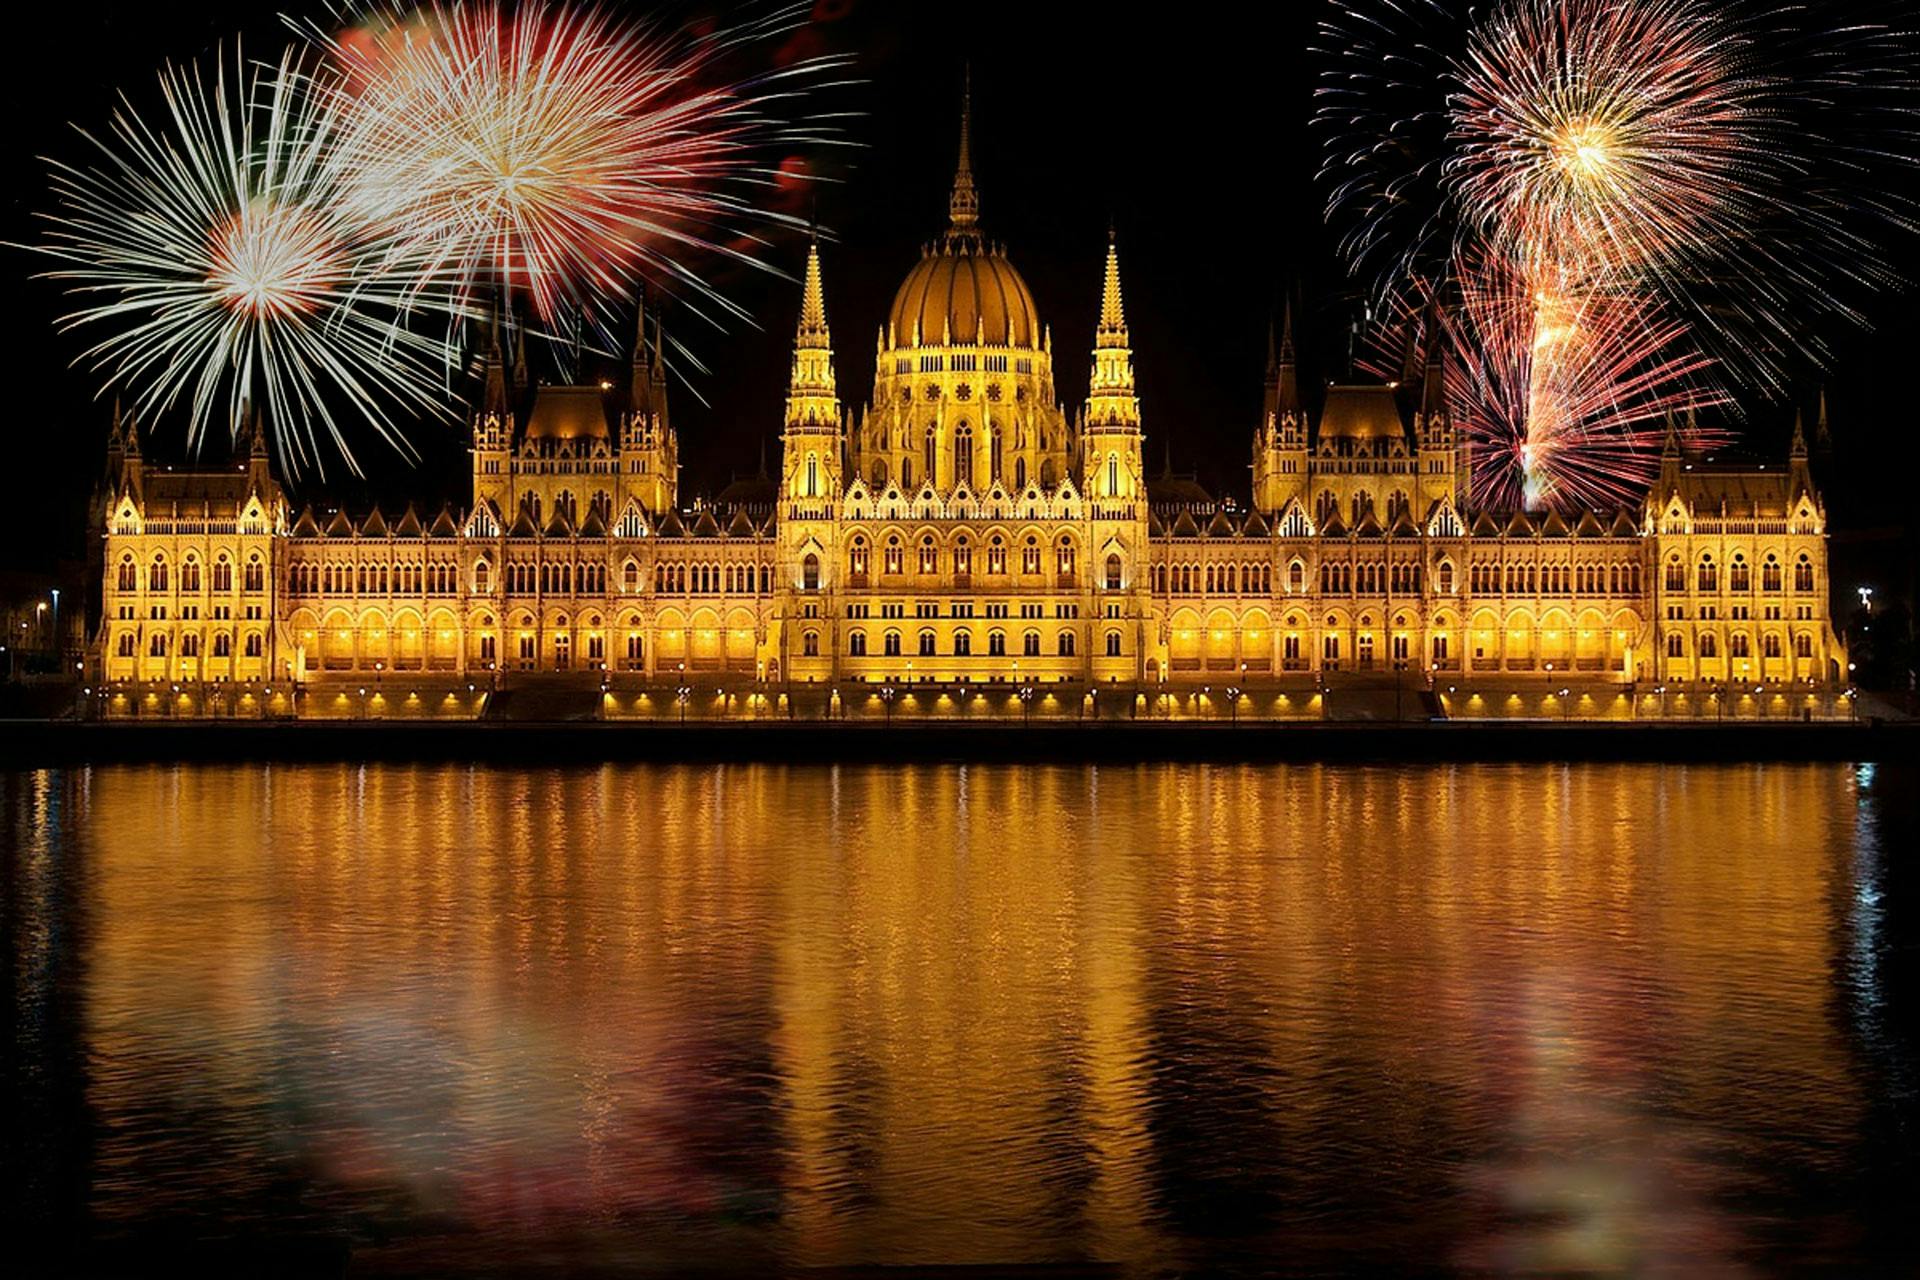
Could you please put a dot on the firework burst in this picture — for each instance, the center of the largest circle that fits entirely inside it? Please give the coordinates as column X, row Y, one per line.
column 553, row 150
column 1652, row 202
column 214, row 247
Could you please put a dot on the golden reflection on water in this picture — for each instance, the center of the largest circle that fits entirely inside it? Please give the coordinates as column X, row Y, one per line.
column 1503, row 1018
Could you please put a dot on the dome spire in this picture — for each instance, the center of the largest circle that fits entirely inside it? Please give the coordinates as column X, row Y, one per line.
column 963, row 206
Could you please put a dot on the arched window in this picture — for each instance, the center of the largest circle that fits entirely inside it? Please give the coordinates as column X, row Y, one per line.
column 996, row 644
column 962, row 557
column 1770, row 575
column 1113, row 644
column 813, row 475
column 996, row 555
column 963, row 643
column 1709, row 646
column 857, row 560
column 1803, row 645
column 896, row 557
column 1296, row 576
column 190, row 575
column 255, row 576
column 891, row 644
column 1324, row 507
column 1113, row 474
column 1030, row 555
column 878, row 472
column 1770, row 645
column 253, row 644
column 993, row 454
column 157, row 575
column 929, row 452
column 810, row 644
column 222, row 575
column 1676, row 645
column 1019, row 473
column 1065, row 559
column 157, row 646
column 1446, row 577
column 963, row 454
column 906, row 474
column 1709, row 575
column 127, row 579
column 1065, row 643
column 1803, row 575
column 857, row 645
column 1030, row 644
column 482, row 577
column 124, row 648
column 222, row 645
column 1113, row 571
column 810, row 572
column 1742, row 647
column 630, row 577
column 1676, row 575
column 1741, row 578
column 927, row 641
column 929, row 557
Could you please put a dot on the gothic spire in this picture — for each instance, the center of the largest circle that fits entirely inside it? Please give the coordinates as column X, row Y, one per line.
column 963, row 206
column 1286, row 378
column 1113, row 319
column 813, row 302
column 1433, row 396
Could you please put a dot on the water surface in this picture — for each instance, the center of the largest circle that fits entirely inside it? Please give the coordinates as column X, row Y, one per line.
column 1584, row 1019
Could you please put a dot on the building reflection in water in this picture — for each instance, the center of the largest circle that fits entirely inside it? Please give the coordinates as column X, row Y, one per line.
column 1609, row 1018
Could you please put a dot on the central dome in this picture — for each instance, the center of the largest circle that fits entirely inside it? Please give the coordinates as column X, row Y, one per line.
column 964, row 291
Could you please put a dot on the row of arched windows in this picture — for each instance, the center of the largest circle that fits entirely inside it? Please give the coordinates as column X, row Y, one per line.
column 1739, row 645
column 928, row 644
column 925, row 558
column 1212, row 579
column 1553, row 579
column 1706, row 574
column 681, row 578
column 253, row 644
column 220, row 577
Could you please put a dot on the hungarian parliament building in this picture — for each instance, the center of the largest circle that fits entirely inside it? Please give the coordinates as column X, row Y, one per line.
column 963, row 544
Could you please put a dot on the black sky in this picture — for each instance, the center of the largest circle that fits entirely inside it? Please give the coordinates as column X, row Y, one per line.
column 1186, row 127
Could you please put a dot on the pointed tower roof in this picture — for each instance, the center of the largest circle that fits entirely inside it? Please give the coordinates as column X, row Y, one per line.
column 963, row 205
column 1112, row 330
column 1433, row 395
column 1798, row 449
column 813, row 330
column 1285, row 376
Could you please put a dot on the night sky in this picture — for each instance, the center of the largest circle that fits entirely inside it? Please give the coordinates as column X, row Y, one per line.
column 1187, row 128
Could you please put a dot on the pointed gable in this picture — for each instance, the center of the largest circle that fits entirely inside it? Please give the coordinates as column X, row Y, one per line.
column 339, row 526
column 409, row 526
column 483, row 521
column 306, row 526
column 443, row 525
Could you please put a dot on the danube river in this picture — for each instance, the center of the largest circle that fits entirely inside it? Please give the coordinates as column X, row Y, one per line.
column 1495, row 1019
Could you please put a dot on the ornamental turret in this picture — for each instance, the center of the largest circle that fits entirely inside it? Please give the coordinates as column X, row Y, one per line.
column 649, row 450
column 1110, row 441
column 811, row 444
column 1280, row 441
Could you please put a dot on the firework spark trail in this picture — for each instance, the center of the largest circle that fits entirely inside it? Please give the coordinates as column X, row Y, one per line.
column 555, row 150
column 215, row 247
column 1572, row 393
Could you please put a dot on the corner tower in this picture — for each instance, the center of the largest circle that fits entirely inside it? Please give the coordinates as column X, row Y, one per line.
column 1110, row 437
column 1280, row 441
column 811, row 443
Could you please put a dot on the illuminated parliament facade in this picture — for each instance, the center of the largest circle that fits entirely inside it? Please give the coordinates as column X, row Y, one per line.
column 963, row 545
